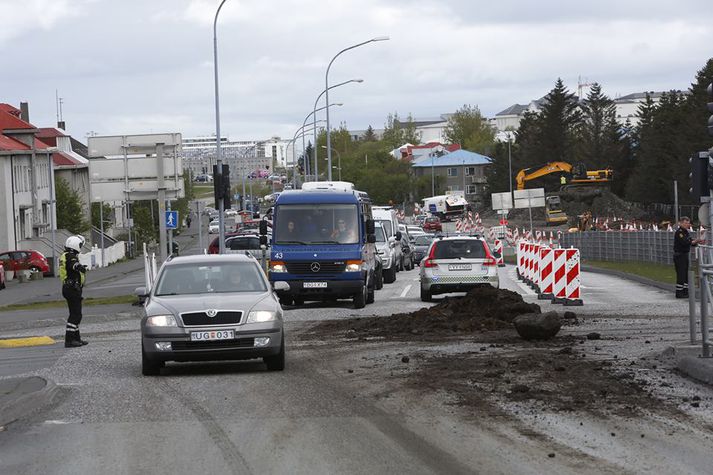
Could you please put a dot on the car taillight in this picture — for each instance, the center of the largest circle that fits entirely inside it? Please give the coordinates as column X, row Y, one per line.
column 429, row 263
column 490, row 261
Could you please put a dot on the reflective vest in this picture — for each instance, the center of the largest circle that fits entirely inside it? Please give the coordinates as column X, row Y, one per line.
column 68, row 273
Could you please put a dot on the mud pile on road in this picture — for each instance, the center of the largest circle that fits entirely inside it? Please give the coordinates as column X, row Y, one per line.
column 482, row 309
column 601, row 202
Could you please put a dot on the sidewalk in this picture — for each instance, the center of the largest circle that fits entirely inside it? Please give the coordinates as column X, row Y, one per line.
column 49, row 288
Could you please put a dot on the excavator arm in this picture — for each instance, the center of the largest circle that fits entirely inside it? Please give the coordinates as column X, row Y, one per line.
column 526, row 175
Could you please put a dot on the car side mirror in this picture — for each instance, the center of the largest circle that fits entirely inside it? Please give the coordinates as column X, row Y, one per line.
column 370, row 226
column 398, row 235
column 141, row 292
column 281, row 286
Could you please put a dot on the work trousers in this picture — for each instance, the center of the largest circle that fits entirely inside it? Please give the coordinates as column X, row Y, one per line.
column 680, row 262
column 73, row 296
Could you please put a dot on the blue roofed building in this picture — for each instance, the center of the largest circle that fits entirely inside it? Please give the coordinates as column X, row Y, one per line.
column 458, row 172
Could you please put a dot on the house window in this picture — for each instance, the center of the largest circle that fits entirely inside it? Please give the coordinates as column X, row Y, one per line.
column 452, row 188
column 453, row 171
column 472, row 189
column 469, row 171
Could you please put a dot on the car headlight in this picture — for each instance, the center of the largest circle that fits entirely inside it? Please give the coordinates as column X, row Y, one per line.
column 261, row 316
column 161, row 321
column 353, row 266
column 277, row 266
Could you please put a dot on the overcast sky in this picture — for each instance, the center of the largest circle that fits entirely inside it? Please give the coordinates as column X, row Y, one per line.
column 141, row 66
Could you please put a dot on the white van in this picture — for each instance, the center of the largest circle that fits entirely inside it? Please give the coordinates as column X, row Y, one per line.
column 387, row 217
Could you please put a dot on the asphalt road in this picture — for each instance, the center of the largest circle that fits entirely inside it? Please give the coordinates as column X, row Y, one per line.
column 237, row 417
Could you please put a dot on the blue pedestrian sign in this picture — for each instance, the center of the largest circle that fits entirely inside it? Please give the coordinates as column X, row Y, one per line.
column 171, row 219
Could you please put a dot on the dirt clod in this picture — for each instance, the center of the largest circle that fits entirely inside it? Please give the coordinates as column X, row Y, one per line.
column 405, row 359
column 538, row 326
column 594, row 336
column 570, row 316
column 552, row 455
column 520, row 388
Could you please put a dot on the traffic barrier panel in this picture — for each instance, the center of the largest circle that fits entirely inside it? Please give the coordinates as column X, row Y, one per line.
column 546, row 274
column 559, row 283
column 498, row 247
column 535, row 267
column 521, row 260
column 572, row 286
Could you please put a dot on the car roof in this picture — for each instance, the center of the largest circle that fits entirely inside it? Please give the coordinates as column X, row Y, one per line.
column 209, row 259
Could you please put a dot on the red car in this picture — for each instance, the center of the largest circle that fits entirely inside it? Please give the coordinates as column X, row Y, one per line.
column 432, row 224
column 27, row 259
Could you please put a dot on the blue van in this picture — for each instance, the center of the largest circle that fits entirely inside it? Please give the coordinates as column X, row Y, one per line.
column 323, row 245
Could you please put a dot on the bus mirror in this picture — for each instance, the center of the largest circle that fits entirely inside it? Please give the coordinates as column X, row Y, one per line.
column 371, row 238
column 370, row 227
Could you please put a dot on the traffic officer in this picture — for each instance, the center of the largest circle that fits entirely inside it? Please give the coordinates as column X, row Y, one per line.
column 563, row 180
column 72, row 274
column 682, row 242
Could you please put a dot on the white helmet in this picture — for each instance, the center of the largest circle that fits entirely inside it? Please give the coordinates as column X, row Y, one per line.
column 75, row 243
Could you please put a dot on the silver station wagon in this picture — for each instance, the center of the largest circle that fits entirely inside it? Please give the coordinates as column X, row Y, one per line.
column 211, row 307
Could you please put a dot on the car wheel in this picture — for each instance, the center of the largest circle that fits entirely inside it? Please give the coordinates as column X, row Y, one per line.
column 370, row 291
column 390, row 275
column 360, row 298
column 276, row 362
column 150, row 367
column 425, row 295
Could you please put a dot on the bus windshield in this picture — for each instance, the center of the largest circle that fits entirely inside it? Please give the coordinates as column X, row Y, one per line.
column 316, row 224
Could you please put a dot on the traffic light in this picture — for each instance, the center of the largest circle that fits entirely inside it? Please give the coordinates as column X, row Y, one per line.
column 699, row 175
column 221, row 186
column 710, row 108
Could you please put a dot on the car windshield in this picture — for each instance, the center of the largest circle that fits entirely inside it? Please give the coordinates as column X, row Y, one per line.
column 424, row 240
column 379, row 232
column 386, row 224
column 316, row 224
column 459, row 248
column 224, row 277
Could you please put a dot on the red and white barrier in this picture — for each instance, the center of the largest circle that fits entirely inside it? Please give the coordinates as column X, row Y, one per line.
column 553, row 273
column 498, row 247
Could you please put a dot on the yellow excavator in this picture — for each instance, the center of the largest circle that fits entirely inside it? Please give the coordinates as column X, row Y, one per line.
column 578, row 175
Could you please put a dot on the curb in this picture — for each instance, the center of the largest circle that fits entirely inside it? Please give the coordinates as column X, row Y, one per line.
column 700, row 369
column 22, row 396
column 632, row 277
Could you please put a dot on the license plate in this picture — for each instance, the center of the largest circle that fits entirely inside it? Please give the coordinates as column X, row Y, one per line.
column 315, row 285
column 213, row 335
column 459, row 267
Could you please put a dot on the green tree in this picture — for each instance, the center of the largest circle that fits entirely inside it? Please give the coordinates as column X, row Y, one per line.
column 70, row 215
column 369, row 135
column 498, row 173
column 96, row 215
column 600, row 142
column 397, row 133
column 471, row 130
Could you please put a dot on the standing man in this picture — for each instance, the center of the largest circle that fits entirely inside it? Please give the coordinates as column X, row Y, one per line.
column 682, row 242
column 72, row 274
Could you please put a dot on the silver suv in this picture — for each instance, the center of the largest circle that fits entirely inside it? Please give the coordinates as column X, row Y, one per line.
column 211, row 307
column 386, row 251
column 457, row 264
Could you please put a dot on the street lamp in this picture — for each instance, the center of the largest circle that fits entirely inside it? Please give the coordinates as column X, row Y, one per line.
column 326, row 98
column 294, row 158
column 314, row 122
column 219, row 160
column 339, row 157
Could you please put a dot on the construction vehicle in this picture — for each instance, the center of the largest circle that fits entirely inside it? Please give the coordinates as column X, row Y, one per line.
column 553, row 211
column 578, row 175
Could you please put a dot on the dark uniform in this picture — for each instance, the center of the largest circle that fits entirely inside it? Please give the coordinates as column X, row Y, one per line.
column 682, row 242
column 72, row 274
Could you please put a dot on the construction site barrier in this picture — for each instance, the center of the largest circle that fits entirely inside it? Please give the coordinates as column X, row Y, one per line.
column 553, row 273
column 498, row 247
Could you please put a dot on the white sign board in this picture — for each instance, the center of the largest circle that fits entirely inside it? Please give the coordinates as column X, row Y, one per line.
column 501, row 201
column 533, row 198
column 117, row 145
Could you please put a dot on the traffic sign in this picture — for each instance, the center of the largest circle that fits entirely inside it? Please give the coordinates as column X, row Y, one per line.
column 171, row 219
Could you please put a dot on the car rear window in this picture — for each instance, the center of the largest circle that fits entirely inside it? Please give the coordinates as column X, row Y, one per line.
column 463, row 248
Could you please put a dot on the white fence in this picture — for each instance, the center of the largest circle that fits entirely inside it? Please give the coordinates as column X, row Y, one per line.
column 93, row 259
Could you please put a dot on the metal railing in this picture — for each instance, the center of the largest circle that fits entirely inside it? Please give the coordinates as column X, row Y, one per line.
column 705, row 272
column 618, row 246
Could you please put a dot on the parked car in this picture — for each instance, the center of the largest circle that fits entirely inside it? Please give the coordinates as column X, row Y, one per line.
column 203, row 179
column 432, row 224
column 211, row 307
column 2, row 276
column 457, row 264
column 387, row 255
column 25, row 259
column 420, row 247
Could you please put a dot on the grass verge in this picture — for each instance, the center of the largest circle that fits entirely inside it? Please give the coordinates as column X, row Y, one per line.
column 121, row 299
column 658, row 272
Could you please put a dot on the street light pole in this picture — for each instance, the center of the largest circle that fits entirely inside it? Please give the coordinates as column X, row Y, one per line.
column 339, row 157
column 314, row 122
column 219, row 160
column 326, row 95
column 294, row 157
